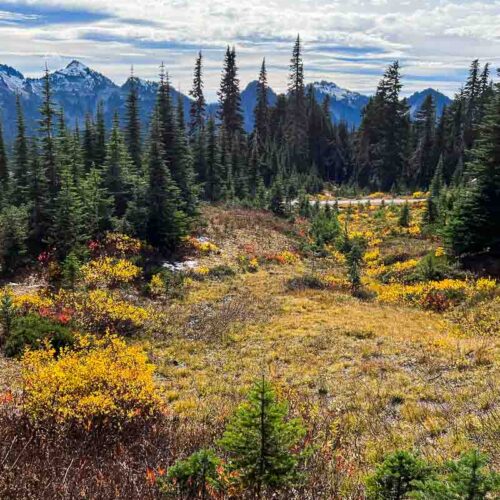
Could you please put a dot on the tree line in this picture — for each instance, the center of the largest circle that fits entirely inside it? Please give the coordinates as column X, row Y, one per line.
column 65, row 186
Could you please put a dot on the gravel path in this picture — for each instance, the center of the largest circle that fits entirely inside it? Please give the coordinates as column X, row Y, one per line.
column 344, row 202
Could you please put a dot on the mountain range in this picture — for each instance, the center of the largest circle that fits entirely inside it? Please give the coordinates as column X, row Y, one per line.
column 78, row 89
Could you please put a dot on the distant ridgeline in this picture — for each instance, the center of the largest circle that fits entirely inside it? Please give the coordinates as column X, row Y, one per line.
column 78, row 89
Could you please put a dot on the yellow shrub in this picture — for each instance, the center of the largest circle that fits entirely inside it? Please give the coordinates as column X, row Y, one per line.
column 100, row 381
column 122, row 245
column 101, row 310
column 372, row 256
column 156, row 285
column 107, row 271
column 439, row 252
column 419, row 194
column 202, row 246
column 436, row 295
column 32, row 301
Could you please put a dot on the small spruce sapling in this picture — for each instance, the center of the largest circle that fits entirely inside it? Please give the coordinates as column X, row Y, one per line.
column 261, row 441
column 196, row 476
column 405, row 216
column 395, row 477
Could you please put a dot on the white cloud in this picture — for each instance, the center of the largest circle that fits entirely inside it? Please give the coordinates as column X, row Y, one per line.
column 347, row 42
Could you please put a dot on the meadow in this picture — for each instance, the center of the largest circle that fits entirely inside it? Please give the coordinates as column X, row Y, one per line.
column 408, row 360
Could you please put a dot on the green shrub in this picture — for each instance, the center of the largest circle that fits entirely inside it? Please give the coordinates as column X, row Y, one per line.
column 194, row 477
column 6, row 316
column 354, row 260
column 395, row 477
column 405, row 216
column 467, row 478
column 405, row 476
column 174, row 283
column 432, row 268
column 70, row 270
column 32, row 330
column 222, row 271
column 325, row 228
column 308, row 281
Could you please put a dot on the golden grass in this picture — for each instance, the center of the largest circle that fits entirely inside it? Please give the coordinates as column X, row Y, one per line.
column 367, row 378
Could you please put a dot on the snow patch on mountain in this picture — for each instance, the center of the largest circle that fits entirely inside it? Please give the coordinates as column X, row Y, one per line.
column 12, row 79
column 335, row 92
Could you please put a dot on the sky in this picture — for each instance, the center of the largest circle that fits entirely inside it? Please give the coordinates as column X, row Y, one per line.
column 349, row 42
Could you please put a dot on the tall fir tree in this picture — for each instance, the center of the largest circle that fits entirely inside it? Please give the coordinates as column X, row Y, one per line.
column 230, row 114
column 39, row 199
column 88, row 144
column 197, row 112
column 100, row 136
column 66, row 231
column 183, row 174
column 20, row 170
column 97, row 204
column 261, row 111
column 117, row 168
column 4, row 172
column 423, row 159
column 214, row 183
column 166, row 222
column 133, row 124
column 48, row 153
column 383, row 135
column 296, row 130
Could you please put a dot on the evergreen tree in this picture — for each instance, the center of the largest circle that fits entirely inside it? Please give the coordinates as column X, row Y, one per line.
column 395, row 477
column 183, row 174
column 100, row 137
column 48, row 154
column 195, row 477
column 20, row 169
column 4, row 172
column 96, row 204
column 167, row 119
column 198, row 104
column 261, row 441
column 422, row 161
column 117, row 168
column 296, row 132
column 405, row 216
column 66, row 231
column 277, row 201
column 325, row 106
column 133, row 125
column 383, row 135
column 214, row 181
column 230, row 114
column 261, row 111
column 13, row 237
column 39, row 202
column 89, row 156
column 166, row 223
column 474, row 224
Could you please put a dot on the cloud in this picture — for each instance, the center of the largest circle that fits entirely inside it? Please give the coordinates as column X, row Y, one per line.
column 347, row 42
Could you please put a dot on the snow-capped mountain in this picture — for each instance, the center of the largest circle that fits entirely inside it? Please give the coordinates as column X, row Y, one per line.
column 417, row 99
column 345, row 105
column 11, row 79
column 78, row 89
